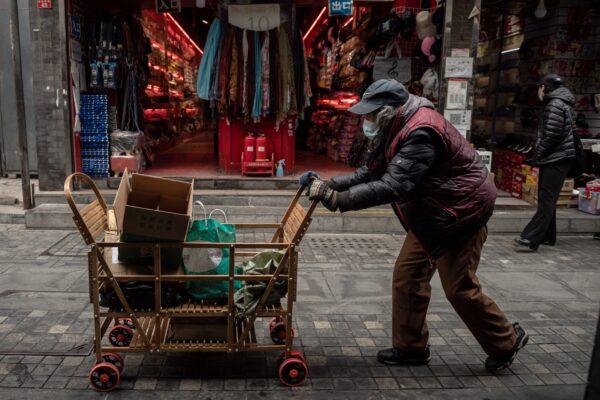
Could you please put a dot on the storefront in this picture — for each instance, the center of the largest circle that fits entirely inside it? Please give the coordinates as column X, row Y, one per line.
column 519, row 43
column 234, row 89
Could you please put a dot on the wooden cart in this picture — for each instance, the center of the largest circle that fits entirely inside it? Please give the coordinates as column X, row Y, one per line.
column 147, row 330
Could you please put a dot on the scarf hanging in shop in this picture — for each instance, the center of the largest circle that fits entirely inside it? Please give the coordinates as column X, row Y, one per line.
column 206, row 70
column 240, row 94
column 250, row 73
column 258, row 95
column 287, row 100
column 265, row 75
column 214, row 87
column 307, row 89
column 274, row 73
column 233, row 71
column 245, row 72
column 298, row 61
column 224, row 78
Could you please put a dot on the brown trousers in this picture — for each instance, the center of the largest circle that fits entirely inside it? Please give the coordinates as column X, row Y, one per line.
column 411, row 293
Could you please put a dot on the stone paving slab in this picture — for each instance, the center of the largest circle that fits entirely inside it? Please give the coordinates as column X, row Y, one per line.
column 342, row 317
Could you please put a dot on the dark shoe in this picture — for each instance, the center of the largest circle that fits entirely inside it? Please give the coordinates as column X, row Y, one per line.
column 525, row 246
column 549, row 243
column 497, row 363
column 395, row 356
column 597, row 236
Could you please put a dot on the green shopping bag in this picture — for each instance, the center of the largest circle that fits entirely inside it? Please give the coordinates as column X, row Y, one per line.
column 209, row 261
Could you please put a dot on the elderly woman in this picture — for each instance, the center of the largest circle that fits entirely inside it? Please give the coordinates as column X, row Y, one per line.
column 443, row 196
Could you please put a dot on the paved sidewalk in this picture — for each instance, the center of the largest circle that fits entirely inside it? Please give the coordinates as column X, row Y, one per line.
column 342, row 318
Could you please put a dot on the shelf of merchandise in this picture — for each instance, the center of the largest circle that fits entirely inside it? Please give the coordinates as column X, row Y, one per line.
column 170, row 58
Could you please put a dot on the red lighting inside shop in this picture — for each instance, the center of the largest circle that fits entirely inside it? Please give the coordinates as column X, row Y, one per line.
column 183, row 32
column 314, row 23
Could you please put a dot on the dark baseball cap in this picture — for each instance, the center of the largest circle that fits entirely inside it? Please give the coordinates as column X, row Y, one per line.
column 384, row 92
column 551, row 81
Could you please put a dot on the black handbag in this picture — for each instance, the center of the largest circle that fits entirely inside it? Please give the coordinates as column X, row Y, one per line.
column 578, row 166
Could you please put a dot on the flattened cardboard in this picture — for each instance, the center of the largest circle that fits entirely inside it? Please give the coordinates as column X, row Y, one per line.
column 120, row 202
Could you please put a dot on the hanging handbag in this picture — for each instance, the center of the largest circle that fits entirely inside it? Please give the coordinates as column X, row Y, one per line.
column 398, row 68
column 578, row 166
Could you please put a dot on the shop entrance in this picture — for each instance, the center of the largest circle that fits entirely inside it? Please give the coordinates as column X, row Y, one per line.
column 135, row 103
column 206, row 92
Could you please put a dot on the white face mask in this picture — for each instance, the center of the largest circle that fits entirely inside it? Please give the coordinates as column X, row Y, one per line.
column 540, row 94
column 370, row 129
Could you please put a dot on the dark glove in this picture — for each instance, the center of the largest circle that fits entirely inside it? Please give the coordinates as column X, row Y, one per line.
column 318, row 190
column 307, row 177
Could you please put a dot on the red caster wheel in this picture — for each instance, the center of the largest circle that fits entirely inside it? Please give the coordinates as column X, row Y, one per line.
column 120, row 335
column 278, row 333
column 114, row 359
column 293, row 354
column 293, row 372
column 104, row 377
column 274, row 321
column 126, row 321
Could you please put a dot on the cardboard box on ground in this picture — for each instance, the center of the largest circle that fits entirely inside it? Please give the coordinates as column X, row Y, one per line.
column 152, row 209
column 530, row 191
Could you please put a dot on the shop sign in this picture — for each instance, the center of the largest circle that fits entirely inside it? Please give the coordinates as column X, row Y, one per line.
column 457, row 94
column 256, row 17
column 460, row 119
column 340, row 7
column 386, row 67
column 459, row 67
column 44, row 4
column 165, row 6
column 462, row 52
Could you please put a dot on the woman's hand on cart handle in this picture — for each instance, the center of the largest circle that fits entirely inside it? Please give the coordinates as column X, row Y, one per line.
column 318, row 190
column 307, row 178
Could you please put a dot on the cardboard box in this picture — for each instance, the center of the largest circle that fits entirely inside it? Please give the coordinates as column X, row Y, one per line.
column 530, row 193
column 152, row 209
column 568, row 186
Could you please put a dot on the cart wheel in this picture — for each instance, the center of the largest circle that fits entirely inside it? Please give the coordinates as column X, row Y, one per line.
column 120, row 335
column 293, row 354
column 274, row 321
column 104, row 377
column 126, row 321
column 293, row 372
column 114, row 359
column 278, row 333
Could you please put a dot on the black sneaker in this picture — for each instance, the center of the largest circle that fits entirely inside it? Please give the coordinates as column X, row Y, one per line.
column 549, row 243
column 396, row 356
column 525, row 246
column 494, row 364
column 597, row 236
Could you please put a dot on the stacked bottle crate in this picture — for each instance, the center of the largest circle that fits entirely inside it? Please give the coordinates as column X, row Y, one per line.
column 93, row 115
